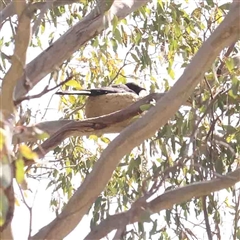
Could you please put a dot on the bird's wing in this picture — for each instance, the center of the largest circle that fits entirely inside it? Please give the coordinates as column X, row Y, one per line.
column 120, row 88
column 102, row 91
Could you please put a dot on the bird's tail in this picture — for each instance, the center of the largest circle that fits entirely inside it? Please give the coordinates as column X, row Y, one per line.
column 81, row 92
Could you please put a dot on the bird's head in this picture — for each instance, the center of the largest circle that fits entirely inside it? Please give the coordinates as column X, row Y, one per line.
column 134, row 87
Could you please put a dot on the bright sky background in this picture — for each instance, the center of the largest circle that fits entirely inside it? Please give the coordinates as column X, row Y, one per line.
column 41, row 197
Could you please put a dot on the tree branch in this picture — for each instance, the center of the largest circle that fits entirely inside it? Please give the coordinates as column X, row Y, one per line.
column 110, row 123
column 22, row 38
column 164, row 201
column 44, row 91
column 205, row 213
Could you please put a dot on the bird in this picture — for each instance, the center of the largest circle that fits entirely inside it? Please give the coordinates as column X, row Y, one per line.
column 105, row 100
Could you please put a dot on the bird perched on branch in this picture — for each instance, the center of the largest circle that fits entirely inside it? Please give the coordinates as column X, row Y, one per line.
column 105, row 100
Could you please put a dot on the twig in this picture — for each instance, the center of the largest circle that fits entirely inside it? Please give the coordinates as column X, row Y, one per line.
column 236, row 217
column 215, row 97
column 208, row 228
column 43, row 116
column 124, row 64
column 209, row 87
column 230, row 49
column 44, row 91
column 75, row 110
column 29, row 209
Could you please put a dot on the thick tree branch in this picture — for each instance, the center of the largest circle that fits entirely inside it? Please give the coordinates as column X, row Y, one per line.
column 110, row 123
column 227, row 33
column 61, row 129
column 22, row 39
column 7, row 233
column 164, row 201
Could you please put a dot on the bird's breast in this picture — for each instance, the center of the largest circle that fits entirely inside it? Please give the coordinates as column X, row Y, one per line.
column 104, row 104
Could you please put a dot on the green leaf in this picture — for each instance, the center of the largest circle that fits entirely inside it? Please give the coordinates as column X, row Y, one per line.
column 27, row 152
column 105, row 140
column 115, row 23
column 160, row 3
column 72, row 99
column 230, row 64
column 2, row 138
column 117, row 36
column 232, row 94
column 19, row 170
column 171, row 72
column 145, row 107
column 4, row 206
column 93, row 137
column 73, row 83
column 135, row 57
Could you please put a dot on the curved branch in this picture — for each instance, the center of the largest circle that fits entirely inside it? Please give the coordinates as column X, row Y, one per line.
column 133, row 135
column 164, row 201
column 22, row 39
column 83, row 127
column 111, row 123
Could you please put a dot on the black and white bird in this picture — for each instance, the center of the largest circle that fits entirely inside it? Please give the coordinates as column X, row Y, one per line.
column 105, row 100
